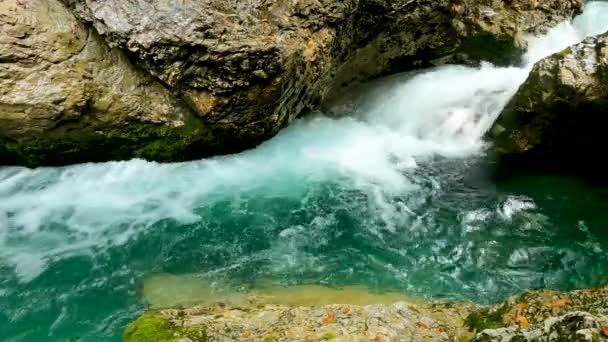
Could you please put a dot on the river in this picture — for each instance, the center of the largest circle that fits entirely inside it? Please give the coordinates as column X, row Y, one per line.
column 399, row 196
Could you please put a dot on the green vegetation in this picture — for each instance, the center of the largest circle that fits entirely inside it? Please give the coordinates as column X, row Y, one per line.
column 485, row 319
column 564, row 53
column 329, row 336
column 140, row 140
column 152, row 328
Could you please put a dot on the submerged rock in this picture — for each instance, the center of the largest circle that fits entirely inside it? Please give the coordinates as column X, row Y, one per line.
column 558, row 116
column 533, row 316
column 214, row 76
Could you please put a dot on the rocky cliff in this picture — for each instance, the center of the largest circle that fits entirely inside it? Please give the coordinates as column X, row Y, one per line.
column 86, row 80
column 558, row 116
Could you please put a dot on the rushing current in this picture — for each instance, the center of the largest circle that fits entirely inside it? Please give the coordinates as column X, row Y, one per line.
column 396, row 197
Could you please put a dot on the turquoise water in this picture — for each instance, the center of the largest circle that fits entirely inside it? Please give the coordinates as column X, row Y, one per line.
column 399, row 196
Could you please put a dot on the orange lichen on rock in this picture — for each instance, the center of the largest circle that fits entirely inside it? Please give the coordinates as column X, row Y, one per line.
column 422, row 325
column 560, row 303
column 331, row 315
column 522, row 321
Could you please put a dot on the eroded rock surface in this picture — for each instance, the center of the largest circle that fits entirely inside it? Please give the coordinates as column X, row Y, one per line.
column 173, row 80
column 254, row 65
column 65, row 96
column 559, row 114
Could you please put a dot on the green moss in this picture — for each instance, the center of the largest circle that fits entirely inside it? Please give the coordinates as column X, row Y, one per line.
column 522, row 298
column 563, row 53
column 484, row 319
column 329, row 336
column 152, row 328
column 95, row 142
column 149, row 328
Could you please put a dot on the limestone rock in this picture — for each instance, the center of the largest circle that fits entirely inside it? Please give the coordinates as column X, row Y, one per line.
column 396, row 322
column 550, row 316
column 578, row 326
column 255, row 65
column 66, row 97
column 175, row 80
column 559, row 114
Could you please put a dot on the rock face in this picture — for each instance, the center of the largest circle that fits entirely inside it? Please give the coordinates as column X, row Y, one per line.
column 533, row 316
column 66, row 97
column 168, row 80
column 559, row 113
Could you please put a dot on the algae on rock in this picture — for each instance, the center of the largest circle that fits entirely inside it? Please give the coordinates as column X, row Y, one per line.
column 151, row 327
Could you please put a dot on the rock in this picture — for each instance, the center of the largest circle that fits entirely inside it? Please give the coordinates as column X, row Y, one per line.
column 558, row 116
column 66, row 97
column 553, row 316
column 258, row 318
column 219, row 76
column 396, row 36
column 280, row 323
column 575, row 326
column 257, row 64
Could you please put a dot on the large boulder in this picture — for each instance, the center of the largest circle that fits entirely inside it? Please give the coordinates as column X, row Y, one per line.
column 559, row 115
column 173, row 80
column 66, row 97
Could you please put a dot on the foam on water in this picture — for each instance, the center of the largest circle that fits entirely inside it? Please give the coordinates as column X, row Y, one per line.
column 50, row 213
column 386, row 184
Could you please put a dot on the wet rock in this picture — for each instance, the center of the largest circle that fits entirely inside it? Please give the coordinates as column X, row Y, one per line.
column 558, row 116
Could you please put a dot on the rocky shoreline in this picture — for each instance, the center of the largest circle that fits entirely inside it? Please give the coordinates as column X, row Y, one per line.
column 545, row 315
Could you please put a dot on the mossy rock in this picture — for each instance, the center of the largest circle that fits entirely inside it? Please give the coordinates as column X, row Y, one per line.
column 152, row 328
column 486, row 319
column 329, row 336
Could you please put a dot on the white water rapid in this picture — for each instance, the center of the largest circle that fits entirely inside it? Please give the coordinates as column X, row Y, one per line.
column 47, row 214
